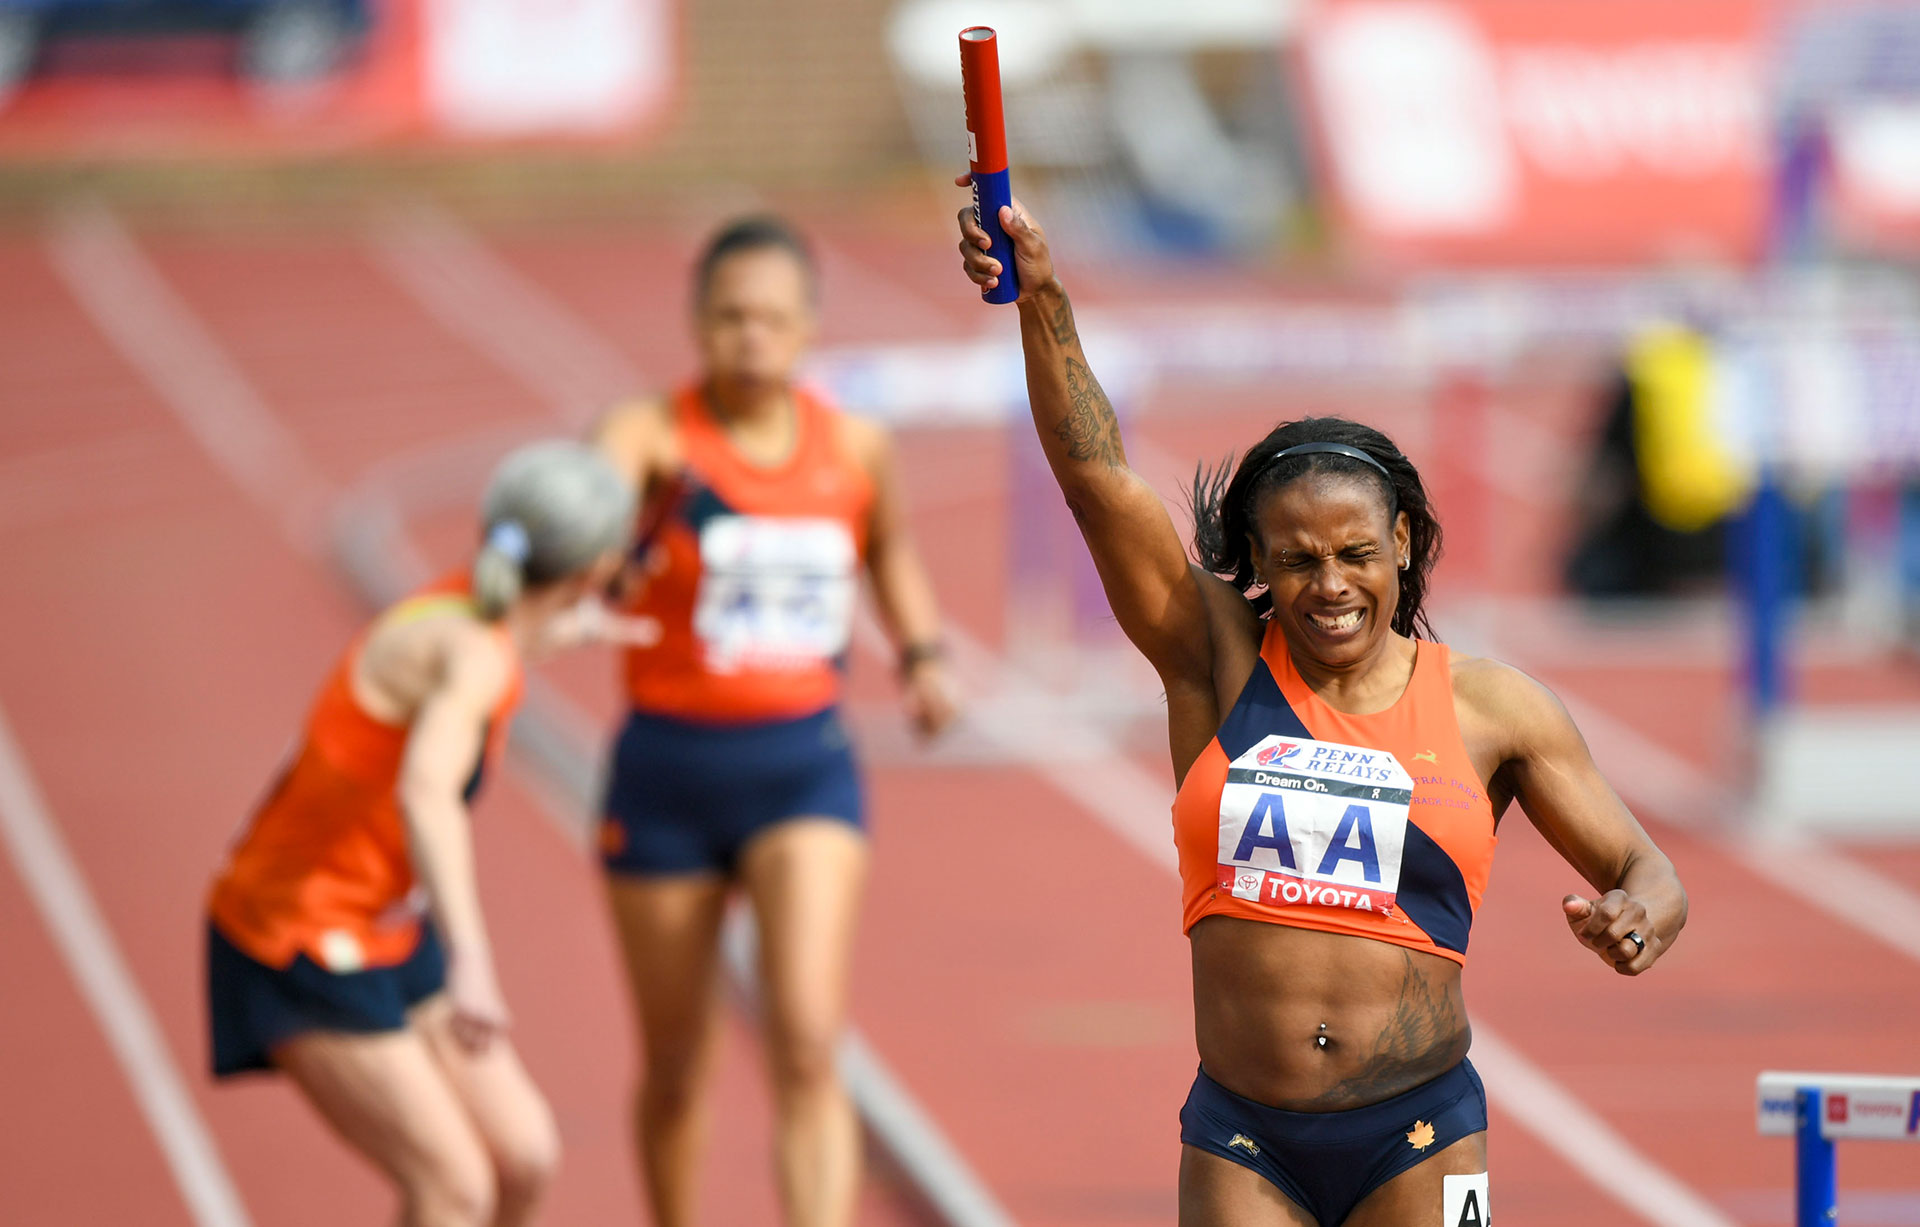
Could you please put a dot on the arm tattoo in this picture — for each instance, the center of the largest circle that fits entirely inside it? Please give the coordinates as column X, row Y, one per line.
column 1062, row 323
column 1424, row 1038
column 1089, row 428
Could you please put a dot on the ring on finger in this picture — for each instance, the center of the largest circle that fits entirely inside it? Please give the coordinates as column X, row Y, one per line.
column 1639, row 942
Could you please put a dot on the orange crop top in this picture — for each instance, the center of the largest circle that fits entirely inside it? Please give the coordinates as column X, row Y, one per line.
column 1372, row 826
column 323, row 867
column 753, row 573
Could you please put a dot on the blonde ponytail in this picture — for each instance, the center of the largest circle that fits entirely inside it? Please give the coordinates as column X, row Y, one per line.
column 497, row 569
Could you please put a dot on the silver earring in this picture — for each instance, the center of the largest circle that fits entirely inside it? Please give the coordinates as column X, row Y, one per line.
column 1403, row 564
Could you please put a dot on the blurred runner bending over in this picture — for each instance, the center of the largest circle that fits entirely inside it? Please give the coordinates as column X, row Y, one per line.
column 325, row 955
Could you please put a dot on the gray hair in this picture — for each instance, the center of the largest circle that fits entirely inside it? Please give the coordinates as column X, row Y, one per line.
column 551, row 511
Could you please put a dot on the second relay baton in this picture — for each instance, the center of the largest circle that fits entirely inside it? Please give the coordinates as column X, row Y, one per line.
column 987, row 151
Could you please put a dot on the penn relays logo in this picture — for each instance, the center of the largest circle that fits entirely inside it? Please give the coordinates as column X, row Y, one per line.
column 1278, row 752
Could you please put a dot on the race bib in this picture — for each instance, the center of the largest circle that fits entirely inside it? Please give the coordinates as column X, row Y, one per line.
column 774, row 592
column 1313, row 822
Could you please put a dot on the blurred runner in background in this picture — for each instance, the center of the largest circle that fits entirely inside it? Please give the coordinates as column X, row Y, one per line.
column 763, row 504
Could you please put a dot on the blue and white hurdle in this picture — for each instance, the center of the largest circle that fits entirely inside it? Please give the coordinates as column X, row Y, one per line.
column 1817, row 1110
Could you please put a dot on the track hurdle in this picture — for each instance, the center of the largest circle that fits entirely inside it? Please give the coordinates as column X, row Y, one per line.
column 1817, row 1110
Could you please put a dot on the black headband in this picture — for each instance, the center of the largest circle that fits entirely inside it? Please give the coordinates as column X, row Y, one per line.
column 1329, row 449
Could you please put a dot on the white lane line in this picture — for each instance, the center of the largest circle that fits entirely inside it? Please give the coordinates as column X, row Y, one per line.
column 476, row 296
column 914, row 1138
column 155, row 330
column 1585, row 1142
column 53, row 880
column 1652, row 777
column 1840, row 886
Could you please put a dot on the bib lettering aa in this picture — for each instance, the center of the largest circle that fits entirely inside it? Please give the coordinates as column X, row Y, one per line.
column 1314, row 823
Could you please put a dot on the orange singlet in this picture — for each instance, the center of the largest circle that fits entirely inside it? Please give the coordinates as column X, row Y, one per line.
column 1371, row 826
column 323, row 867
column 753, row 573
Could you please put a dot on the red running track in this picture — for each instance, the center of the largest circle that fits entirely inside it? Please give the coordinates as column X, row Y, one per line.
column 1020, row 969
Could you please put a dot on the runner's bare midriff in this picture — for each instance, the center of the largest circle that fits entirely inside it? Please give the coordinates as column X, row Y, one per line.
column 1395, row 1018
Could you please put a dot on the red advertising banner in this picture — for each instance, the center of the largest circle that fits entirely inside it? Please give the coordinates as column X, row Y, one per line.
column 163, row 77
column 1517, row 131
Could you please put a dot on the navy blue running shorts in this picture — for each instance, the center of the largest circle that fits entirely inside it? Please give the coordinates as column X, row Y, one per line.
column 253, row 1008
column 1327, row 1162
column 684, row 797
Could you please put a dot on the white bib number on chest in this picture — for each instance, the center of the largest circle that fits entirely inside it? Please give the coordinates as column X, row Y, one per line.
column 775, row 592
column 1314, row 822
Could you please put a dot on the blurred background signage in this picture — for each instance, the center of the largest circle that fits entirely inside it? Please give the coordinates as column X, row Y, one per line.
column 1513, row 130
column 157, row 76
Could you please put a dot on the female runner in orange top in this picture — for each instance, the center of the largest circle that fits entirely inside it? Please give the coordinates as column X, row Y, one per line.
column 764, row 504
column 322, row 960
column 1341, row 782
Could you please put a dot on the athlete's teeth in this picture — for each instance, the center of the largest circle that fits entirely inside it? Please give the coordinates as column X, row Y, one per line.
column 1340, row 623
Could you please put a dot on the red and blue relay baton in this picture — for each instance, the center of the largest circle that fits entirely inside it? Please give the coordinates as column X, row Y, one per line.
column 987, row 150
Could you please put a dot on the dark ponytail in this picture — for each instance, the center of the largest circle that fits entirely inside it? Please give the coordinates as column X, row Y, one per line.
column 1223, row 506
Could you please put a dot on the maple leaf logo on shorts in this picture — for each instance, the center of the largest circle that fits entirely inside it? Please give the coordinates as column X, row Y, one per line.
column 1420, row 1136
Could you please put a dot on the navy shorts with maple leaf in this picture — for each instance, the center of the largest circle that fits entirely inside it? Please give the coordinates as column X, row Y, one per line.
column 1327, row 1162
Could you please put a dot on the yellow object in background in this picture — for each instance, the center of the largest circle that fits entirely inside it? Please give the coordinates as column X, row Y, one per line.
column 1688, row 477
